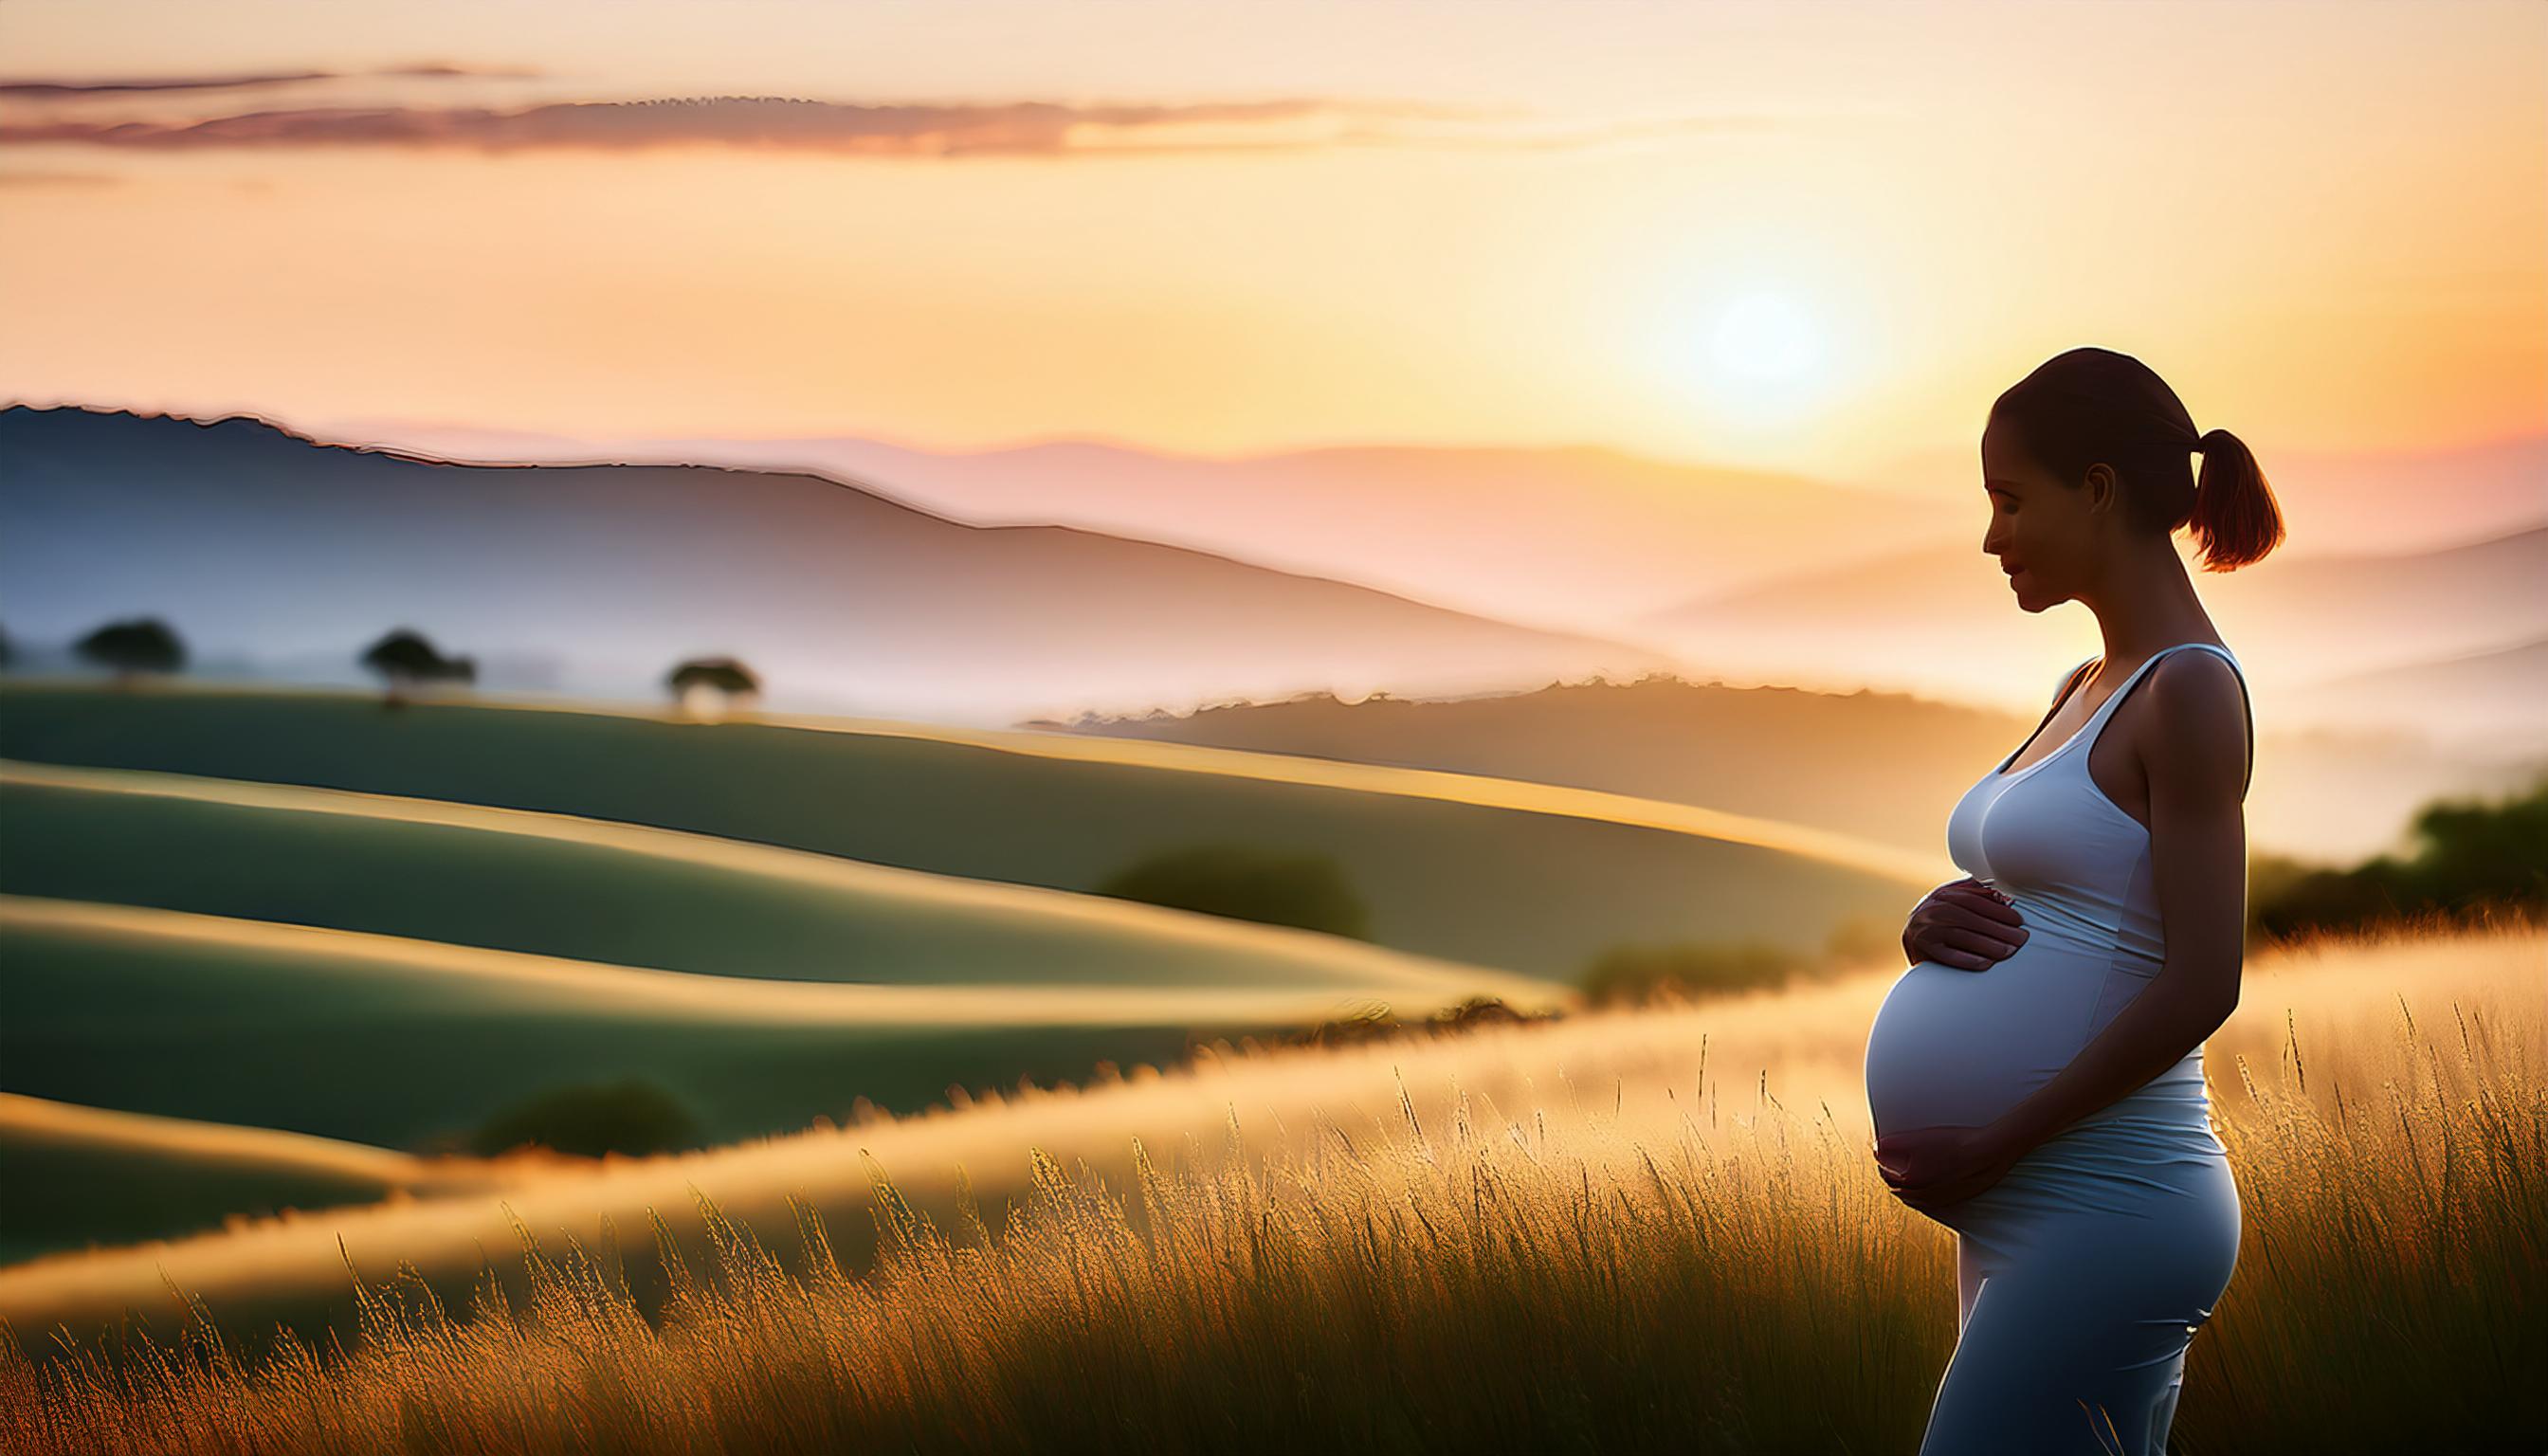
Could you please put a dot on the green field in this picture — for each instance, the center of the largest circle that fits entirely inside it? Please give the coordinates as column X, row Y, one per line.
column 1451, row 868
column 301, row 915
column 395, row 1043
column 80, row 1176
column 555, row 885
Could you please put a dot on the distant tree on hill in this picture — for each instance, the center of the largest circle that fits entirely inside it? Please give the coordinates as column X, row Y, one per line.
column 708, row 685
column 4, row 648
column 404, row 659
column 132, row 645
column 1246, row 883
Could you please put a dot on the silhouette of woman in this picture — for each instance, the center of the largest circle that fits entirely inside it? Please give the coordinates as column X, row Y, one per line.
column 2036, row 1084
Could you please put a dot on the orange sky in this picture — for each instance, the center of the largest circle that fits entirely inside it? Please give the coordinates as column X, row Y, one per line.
column 1814, row 237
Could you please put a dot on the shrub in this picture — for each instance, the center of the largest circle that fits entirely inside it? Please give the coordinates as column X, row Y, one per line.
column 1689, row 969
column 631, row 1116
column 2471, row 858
column 1244, row 882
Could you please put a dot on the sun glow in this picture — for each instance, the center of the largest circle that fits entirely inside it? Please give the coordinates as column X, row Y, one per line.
column 1749, row 362
column 1765, row 339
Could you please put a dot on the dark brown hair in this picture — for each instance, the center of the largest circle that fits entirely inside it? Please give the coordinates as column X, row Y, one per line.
column 2092, row 405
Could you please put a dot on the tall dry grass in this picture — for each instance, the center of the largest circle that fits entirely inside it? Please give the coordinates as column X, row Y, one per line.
column 1551, row 1277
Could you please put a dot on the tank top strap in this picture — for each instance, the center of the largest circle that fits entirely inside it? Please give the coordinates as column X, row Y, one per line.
column 2096, row 724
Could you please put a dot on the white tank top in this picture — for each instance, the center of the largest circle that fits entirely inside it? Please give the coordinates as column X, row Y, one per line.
column 1952, row 1047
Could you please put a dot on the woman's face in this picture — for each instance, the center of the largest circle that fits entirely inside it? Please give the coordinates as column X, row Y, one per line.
column 2041, row 532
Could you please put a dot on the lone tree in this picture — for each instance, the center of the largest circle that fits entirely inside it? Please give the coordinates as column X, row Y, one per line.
column 712, row 684
column 404, row 659
column 132, row 645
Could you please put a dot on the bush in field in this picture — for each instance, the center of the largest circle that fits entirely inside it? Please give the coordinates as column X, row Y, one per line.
column 1378, row 1023
column 1690, row 969
column 134, row 645
column 631, row 1116
column 2469, row 856
column 1245, row 882
column 1636, row 974
column 1863, row 938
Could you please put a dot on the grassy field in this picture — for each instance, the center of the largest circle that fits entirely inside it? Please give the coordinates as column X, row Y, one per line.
column 1620, row 1233
column 1522, row 877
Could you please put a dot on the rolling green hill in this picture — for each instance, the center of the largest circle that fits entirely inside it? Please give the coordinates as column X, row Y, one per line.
column 81, row 1176
column 595, row 890
column 397, row 1042
column 1527, row 877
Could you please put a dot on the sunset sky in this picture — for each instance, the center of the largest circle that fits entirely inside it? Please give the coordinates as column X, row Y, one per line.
column 1809, row 236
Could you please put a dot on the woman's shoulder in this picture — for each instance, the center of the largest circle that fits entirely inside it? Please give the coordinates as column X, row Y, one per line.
column 2196, row 723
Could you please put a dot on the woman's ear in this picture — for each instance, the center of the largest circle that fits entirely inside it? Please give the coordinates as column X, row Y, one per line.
column 2101, row 485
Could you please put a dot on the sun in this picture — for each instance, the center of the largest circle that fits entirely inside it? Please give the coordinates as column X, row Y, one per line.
column 1747, row 363
column 1764, row 338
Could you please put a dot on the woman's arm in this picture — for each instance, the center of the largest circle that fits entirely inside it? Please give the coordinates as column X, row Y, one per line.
column 2195, row 755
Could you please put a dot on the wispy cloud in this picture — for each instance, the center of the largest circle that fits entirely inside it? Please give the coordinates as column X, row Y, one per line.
column 61, row 88
column 1029, row 127
column 32, row 177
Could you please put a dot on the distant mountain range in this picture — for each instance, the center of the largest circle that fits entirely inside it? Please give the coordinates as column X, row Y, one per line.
column 263, row 549
column 2392, row 557
column 884, row 581
column 1575, row 538
column 1581, row 538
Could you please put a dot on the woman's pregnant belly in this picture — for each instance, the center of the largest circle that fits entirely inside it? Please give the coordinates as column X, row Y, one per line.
column 1954, row 1047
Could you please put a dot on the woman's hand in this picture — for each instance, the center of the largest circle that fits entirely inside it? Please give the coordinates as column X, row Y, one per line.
column 1930, row 1168
column 1965, row 923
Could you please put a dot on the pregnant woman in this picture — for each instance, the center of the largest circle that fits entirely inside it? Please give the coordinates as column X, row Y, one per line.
column 2037, row 1079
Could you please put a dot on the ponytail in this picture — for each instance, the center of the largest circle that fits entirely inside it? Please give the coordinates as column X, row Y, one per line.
column 2089, row 405
column 2235, row 519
